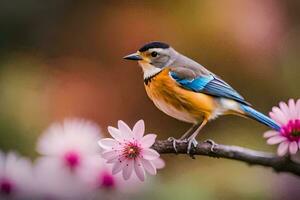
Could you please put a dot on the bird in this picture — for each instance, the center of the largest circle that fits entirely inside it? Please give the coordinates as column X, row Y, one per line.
column 184, row 89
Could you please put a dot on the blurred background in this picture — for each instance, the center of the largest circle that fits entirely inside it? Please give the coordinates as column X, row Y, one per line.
column 63, row 58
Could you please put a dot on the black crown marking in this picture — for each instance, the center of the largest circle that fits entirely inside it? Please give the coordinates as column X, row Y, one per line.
column 154, row 45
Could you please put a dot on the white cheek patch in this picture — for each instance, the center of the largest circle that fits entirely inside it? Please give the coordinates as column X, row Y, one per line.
column 148, row 69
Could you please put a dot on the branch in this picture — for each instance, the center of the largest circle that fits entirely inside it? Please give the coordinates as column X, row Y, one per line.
column 279, row 164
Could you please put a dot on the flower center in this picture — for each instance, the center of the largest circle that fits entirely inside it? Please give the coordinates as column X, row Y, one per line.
column 291, row 130
column 6, row 187
column 132, row 150
column 107, row 180
column 72, row 159
column 295, row 133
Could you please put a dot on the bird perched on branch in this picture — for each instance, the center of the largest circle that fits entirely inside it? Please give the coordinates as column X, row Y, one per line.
column 187, row 91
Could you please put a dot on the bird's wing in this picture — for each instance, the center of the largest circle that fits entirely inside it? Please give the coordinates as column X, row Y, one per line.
column 206, row 83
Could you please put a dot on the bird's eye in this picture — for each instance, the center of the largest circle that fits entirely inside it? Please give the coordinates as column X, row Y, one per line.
column 154, row 54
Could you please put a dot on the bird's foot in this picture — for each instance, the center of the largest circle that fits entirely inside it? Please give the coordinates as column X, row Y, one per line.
column 192, row 143
column 175, row 141
column 212, row 143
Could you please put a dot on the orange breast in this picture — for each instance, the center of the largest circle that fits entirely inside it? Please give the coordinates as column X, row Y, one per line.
column 178, row 102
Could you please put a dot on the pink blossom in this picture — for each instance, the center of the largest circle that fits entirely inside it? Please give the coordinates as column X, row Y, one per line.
column 98, row 176
column 129, row 151
column 16, row 177
column 70, row 143
column 288, row 137
column 54, row 182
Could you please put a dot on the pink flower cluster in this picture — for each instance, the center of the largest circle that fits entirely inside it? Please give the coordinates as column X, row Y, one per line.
column 288, row 137
column 70, row 165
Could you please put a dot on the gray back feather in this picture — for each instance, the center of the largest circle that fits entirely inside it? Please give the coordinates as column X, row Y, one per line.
column 188, row 68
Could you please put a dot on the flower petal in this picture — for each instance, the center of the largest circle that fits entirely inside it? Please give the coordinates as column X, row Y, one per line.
column 150, row 154
column 125, row 130
column 292, row 108
column 118, row 166
column 128, row 168
column 110, row 154
column 149, row 166
column 148, row 140
column 107, row 143
column 113, row 160
column 139, row 170
column 270, row 133
column 159, row 163
column 278, row 116
column 298, row 108
column 276, row 139
column 139, row 129
column 115, row 133
column 293, row 147
column 283, row 148
column 285, row 109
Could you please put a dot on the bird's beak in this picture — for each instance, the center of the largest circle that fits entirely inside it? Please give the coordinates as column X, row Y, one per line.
column 134, row 56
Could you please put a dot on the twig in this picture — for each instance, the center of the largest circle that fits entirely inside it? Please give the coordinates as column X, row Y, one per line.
column 279, row 164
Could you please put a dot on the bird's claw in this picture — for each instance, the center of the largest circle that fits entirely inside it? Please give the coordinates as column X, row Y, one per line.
column 212, row 143
column 192, row 143
column 175, row 141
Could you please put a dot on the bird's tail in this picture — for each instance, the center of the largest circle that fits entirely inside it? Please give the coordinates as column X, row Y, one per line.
column 254, row 114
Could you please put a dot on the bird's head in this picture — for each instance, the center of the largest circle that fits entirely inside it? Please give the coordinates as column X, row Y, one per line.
column 154, row 56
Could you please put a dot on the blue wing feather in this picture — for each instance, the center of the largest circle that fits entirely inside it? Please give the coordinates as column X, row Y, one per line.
column 211, row 85
column 196, row 85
